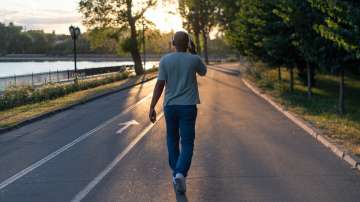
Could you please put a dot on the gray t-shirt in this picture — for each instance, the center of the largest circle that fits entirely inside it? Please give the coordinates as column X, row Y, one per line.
column 179, row 70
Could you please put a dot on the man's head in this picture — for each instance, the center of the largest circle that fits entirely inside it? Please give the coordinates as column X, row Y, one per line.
column 181, row 41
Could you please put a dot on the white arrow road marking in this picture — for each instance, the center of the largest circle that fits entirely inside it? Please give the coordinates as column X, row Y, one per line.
column 83, row 193
column 39, row 163
column 126, row 125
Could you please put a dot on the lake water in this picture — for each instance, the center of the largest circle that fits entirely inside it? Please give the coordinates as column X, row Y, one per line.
column 21, row 68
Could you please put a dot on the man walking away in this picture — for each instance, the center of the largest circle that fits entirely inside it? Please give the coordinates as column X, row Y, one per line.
column 177, row 72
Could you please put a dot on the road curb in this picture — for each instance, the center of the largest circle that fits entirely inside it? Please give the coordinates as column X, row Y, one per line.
column 91, row 98
column 306, row 127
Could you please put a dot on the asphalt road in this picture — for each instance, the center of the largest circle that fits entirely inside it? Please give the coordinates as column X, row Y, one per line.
column 245, row 151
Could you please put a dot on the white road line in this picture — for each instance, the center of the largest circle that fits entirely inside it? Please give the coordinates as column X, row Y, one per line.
column 83, row 193
column 32, row 167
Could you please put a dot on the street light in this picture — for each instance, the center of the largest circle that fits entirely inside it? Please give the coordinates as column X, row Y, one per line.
column 144, row 57
column 75, row 33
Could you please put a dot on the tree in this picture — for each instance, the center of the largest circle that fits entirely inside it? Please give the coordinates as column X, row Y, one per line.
column 209, row 12
column 9, row 35
column 158, row 42
column 200, row 16
column 259, row 34
column 119, row 15
column 340, row 26
column 299, row 17
column 190, row 12
column 105, row 39
column 40, row 43
column 3, row 39
column 228, row 12
column 219, row 46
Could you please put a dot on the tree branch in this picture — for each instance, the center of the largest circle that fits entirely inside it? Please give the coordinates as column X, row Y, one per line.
column 140, row 14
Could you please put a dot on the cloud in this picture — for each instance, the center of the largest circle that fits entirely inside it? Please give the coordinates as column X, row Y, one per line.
column 6, row 12
column 47, row 19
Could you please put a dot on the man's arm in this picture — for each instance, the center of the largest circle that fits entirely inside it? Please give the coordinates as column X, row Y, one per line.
column 159, row 87
column 201, row 68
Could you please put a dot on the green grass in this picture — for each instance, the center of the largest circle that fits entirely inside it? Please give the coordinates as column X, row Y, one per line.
column 321, row 109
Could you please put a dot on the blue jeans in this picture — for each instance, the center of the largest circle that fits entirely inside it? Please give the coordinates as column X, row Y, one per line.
column 180, row 127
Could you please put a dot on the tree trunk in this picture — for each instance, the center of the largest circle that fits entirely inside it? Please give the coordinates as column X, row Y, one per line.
column 341, row 92
column 135, row 53
column 197, row 42
column 134, row 50
column 309, row 80
column 291, row 80
column 205, row 38
column 279, row 74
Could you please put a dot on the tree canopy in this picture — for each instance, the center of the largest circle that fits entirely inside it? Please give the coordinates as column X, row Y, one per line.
column 307, row 34
column 120, row 16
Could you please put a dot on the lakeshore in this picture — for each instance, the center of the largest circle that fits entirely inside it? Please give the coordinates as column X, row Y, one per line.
column 80, row 57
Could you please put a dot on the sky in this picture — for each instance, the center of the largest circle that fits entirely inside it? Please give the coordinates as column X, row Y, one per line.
column 58, row 15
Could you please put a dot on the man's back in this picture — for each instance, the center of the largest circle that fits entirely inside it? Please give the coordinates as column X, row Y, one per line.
column 179, row 71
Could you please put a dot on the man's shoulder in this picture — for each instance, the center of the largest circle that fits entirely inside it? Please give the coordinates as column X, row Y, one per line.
column 166, row 56
column 169, row 56
column 195, row 57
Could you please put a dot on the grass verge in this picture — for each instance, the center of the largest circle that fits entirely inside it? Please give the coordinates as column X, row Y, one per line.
column 321, row 109
column 19, row 114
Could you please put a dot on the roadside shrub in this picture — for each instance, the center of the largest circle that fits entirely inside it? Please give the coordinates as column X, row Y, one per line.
column 15, row 96
column 151, row 70
column 21, row 95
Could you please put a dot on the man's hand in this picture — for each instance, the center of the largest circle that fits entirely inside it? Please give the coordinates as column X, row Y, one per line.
column 152, row 115
column 159, row 86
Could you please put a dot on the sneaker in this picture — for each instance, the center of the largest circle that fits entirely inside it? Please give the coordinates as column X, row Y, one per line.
column 180, row 185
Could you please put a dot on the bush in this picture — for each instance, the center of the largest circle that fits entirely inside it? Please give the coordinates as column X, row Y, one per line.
column 20, row 95
column 151, row 70
column 15, row 96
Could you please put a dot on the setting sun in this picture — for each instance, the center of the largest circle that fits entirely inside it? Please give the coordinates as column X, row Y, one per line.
column 166, row 17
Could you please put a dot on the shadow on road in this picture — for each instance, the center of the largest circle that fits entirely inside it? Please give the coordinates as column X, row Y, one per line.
column 231, row 72
column 181, row 198
column 227, row 84
column 142, row 79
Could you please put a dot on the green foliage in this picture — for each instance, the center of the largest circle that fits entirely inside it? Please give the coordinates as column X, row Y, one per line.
column 20, row 95
column 14, row 40
column 228, row 9
column 126, row 45
column 307, row 34
column 103, row 39
column 220, row 47
column 340, row 26
column 190, row 11
column 95, row 41
column 199, row 17
column 158, row 42
column 118, row 15
column 341, row 23
column 322, row 34
column 259, row 33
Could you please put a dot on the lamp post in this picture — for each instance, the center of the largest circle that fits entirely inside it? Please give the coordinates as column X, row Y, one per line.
column 75, row 33
column 144, row 57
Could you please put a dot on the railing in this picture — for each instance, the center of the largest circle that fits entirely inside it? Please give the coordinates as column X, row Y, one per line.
column 43, row 78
